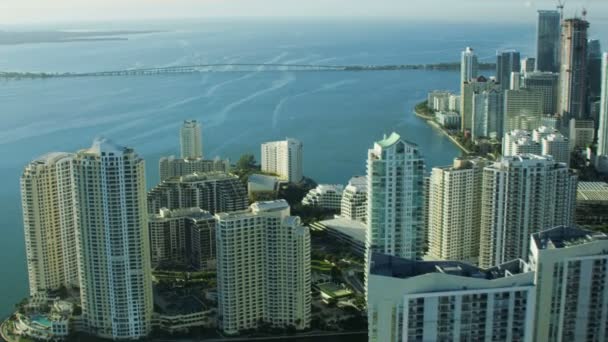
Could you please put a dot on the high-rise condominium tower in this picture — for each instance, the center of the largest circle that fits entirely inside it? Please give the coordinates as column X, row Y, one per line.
column 523, row 109
column 283, row 158
column 594, row 69
column 410, row 300
column 528, row 64
column 469, row 89
column 547, row 41
column 571, row 277
column 263, row 268
column 176, row 167
column 602, row 133
column 354, row 200
column 507, row 62
column 573, row 72
column 191, row 141
column 395, row 203
column 114, row 248
column 468, row 65
column 48, row 221
column 214, row 192
column 546, row 83
column 522, row 195
column 487, row 114
column 454, row 210
column 184, row 237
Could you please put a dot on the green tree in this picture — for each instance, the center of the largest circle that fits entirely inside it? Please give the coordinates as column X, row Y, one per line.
column 246, row 162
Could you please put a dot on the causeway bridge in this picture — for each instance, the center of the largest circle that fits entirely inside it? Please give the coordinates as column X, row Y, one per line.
column 235, row 67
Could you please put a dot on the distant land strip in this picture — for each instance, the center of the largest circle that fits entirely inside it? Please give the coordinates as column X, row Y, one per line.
column 235, row 67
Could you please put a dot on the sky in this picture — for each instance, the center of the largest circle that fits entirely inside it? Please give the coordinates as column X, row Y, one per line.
column 48, row 11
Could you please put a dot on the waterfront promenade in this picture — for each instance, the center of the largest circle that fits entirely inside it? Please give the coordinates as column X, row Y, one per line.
column 430, row 119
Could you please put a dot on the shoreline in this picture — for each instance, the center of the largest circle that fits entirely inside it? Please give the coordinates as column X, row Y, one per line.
column 429, row 120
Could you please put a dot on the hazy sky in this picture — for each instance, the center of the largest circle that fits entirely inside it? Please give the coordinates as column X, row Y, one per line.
column 41, row 11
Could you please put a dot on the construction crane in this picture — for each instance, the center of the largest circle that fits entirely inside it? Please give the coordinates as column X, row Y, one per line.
column 560, row 8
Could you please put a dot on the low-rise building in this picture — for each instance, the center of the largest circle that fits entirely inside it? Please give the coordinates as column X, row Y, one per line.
column 179, row 313
column 349, row 232
column 42, row 324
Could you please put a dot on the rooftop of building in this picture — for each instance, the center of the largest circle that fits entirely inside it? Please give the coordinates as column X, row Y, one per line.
column 464, row 163
column 390, row 140
column 556, row 137
column 545, row 130
column 193, row 213
column 190, row 160
column 275, row 206
column 270, row 206
column 287, row 140
column 201, row 177
column 324, row 188
column 103, row 145
column 173, row 303
column 352, row 228
column 592, row 191
column 518, row 133
column 395, row 267
column 52, row 157
column 565, row 236
column 527, row 159
column 359, row 182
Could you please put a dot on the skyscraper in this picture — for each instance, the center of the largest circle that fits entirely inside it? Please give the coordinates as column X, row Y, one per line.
column 49, row 224
column 507, row 62
column 582, row 133
column 114, row 248
column 528, row 64
column 395, row 217
column 573, row 72
column 468, row 65
column 519, row 141
column 602, row 133
column 470, row 88
column 283, row 158
column 594, row 69
column 547, row 41
column 523, row 109
column 176, row 167
column 557, row 146
column 191, row 142
column 354, row 200
column 571, row 277
column 182, row 237
column 487, row 114
column 263, row 268
column 546, row 83
column 214, row 192
column 411, row 300
column 522, row 195
column 454, row 210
